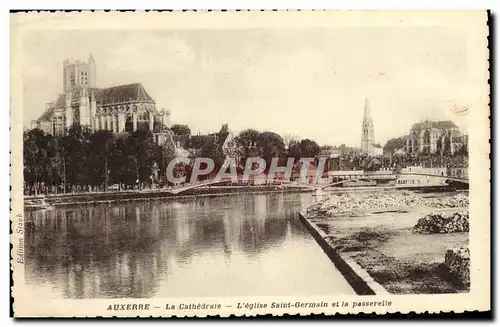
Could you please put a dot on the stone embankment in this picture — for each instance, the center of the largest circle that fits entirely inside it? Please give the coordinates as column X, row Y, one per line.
column 344, row 203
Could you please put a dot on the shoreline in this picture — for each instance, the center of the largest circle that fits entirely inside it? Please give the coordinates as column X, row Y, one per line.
column 154, row 195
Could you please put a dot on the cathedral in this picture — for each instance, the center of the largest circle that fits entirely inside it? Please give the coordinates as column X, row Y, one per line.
column 429, row 137
column 368, row 145
column 123, row 108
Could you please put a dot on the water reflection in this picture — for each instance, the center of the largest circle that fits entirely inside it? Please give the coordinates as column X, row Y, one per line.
column 163, row 248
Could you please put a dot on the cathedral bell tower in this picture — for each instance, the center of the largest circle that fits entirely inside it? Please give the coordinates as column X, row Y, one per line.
column 78, row 83
column 84, row 108
column 367, row 138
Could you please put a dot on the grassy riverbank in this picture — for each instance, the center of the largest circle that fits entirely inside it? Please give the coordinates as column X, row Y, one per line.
column 376, row 232
column 79, row 198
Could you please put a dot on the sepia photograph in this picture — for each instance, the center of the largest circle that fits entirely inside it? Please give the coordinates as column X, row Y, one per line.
column 210, row 163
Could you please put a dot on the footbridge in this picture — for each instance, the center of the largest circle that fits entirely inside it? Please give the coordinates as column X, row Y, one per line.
column 186, row 187
column 367, row 176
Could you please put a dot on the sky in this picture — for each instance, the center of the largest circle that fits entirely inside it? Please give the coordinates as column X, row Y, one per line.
column 308, row 82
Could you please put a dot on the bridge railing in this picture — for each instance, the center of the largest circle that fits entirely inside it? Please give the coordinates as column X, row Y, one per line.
column 340, row 179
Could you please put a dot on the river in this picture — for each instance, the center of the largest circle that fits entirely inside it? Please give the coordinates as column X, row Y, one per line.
column 241, row 245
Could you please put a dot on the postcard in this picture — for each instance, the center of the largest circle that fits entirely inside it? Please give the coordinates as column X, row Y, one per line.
column 206, row 163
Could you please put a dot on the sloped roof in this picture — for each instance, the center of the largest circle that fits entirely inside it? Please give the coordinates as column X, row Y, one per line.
column 61, row 101
column 115, row 94
column 122, row 93
column 443, row 124
column 47, row 114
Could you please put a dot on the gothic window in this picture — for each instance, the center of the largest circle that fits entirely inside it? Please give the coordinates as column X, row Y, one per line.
column 439, row 146
column 143, row 115
column 427, row 137
column 447, row 147
column 129, row 124
column 409, row 145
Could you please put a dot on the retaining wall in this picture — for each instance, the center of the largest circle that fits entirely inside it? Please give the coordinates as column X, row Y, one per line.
column 359, row 279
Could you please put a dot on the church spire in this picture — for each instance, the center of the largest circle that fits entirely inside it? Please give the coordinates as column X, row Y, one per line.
column 366, row 116
column 367, row 137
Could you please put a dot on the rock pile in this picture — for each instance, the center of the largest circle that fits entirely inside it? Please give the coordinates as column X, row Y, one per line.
column 459, row 200
column 457, row 260
column 343, row 203
column 438, row 223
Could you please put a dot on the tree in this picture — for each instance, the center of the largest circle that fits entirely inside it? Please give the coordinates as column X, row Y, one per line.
column 100, row 143
column 309, row 148
column 76, row 148
column 129, row 170
column 289, row 140
column 163, row 156
column 179, row 129
column 211, row 149
column 270, row 146
column 372, row 164
column 223, row 132
column 140, row 145
column 247, row 143
column 294, row 150
column 304, row 149
column 39, row 161
column 394, row 144
column 122, row 164
column 196, row 143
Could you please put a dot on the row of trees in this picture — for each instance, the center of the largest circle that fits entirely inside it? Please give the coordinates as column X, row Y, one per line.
column 86, row 161
column 269, row 145
column 82, row 160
